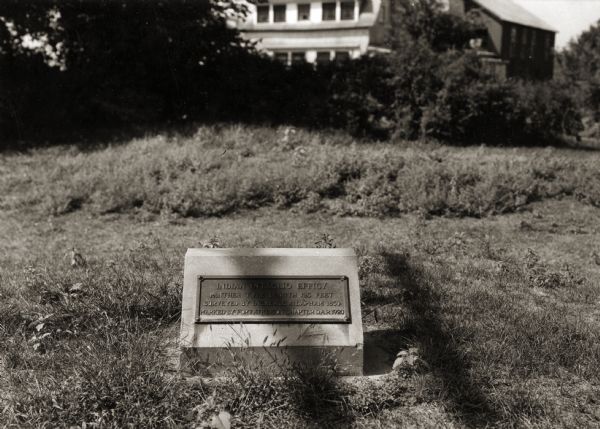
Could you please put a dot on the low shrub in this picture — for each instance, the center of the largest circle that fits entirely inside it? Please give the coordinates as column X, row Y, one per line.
column 415, row 81
column 193, row 177
column 472, row 108
column 359, row 95
column 548, row 110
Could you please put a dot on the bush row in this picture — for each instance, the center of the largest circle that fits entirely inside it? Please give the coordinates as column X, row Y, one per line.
column 412, row 94
column 451, row 97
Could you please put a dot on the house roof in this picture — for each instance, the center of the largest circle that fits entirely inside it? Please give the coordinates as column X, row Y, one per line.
column 508, row 10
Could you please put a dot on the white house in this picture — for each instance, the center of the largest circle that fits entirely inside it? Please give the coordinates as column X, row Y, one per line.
column 316, row 31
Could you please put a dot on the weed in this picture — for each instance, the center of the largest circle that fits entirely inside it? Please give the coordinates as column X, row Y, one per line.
column 540, row 275
column 326, row 241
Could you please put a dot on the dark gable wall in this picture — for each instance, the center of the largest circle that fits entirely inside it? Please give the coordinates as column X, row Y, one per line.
column 535, row 63
column 538, row 66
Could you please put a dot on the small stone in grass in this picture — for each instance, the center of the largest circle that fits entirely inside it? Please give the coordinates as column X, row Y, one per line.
column 222, row 421
column 407, row 358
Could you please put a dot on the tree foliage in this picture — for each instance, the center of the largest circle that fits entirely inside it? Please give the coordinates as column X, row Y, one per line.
column 73, row 64
column 442, row 90
column 582, row 56
column 581, row 66
column 426, row 20
column 112, row 61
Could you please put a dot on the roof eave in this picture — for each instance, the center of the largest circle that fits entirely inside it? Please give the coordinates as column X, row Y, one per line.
column 537, row 27
column 547, row 27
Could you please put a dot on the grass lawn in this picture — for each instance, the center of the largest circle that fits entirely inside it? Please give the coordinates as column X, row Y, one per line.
column 485, row 259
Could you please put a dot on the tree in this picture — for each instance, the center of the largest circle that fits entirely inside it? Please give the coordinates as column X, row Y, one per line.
column 581, row 67
column 110, row 61
column 427, row 21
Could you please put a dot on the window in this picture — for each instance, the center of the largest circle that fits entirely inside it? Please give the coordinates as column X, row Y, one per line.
column 262, row 13
column 282, row 57
column 525, row 34
column 342, row 56
column 382, row 14
column 512, row 48
column 548, row 48
column 298, row 57
column 304, row 12
column 533, row 46
column 323, row 58
column 328, row 11
column 279, row 13
column 347, row 9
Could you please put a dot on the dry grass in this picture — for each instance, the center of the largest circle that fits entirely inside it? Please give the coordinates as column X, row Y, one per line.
column 503, row 309
column 222, row 170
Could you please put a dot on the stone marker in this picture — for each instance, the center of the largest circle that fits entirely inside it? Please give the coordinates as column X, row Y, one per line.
column 271, row 307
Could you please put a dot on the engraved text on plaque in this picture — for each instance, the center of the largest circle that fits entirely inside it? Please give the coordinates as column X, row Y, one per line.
column 273, row 299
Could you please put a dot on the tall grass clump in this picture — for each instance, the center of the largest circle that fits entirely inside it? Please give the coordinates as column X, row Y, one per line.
column 82, row 343
column 229, row 169
column 49, row 305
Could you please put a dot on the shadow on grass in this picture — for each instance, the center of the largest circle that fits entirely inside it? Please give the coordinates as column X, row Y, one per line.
column 439, row 346
column 95, row 139
column 100, row 136
column 92, row 139
column 320, row 398
column 381, row 348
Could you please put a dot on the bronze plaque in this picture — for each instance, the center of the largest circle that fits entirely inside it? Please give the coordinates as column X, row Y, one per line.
column 273, row 299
